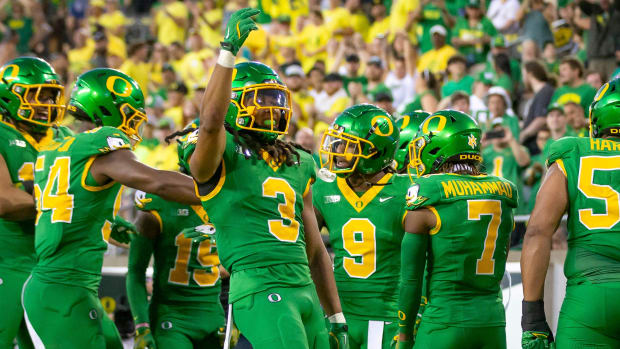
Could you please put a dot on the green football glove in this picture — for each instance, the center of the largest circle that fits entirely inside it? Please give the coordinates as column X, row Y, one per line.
column 122, row 230
column 404, row 344
column 144, row 339
column 536, row 331
column 338, row 336
column 238, row 28
column 200, row 233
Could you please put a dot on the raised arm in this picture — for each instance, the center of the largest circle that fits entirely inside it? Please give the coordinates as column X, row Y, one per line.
column 15, row 204
column 216, row 99
column 551, row 203
column 123, row 167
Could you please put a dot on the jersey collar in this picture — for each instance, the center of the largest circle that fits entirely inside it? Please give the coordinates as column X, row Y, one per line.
column 359, row 203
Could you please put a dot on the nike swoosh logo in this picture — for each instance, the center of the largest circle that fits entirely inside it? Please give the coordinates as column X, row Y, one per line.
column 385, row 199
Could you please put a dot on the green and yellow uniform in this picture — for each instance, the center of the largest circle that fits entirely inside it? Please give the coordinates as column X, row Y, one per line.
column 185, row 309
column 19, row 151
column 467, row 253
column 275, row 304
column 582, row 94
column 73, row 224
column 590, row 312
column 365, row 231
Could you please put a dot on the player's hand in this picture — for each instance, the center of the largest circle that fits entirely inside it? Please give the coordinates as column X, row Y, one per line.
column 144, row 339
column 536, row 331
column 234, row 335
column 338, row 336
column 238, row 28
column 122, row 230
column 200, row 233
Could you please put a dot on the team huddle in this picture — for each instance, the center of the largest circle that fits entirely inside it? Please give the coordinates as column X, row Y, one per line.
column 420, row 233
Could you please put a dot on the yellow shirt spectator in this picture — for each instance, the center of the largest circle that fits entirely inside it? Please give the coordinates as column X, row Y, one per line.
column 378, row 28
column 79, row 58
column 169, row 28
column 176, row 114
column 305, row 102
column 257, row 41
column 113, row 20
column 398, row 17
column 436, row 61
column 211, row 35
column 193, row 68
column 312, row 39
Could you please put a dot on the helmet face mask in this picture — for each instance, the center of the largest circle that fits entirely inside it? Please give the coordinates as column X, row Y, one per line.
column 339, row 148
column 30, row 92
column 133, row 122
column 415, row 156
column 263, row 99
column 362, row 139
column 408, row 124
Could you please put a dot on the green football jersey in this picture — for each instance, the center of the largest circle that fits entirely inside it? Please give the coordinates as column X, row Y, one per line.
column 19, row 151
column 365, row 233
column 183, row 271
column 592, row 169
column 75, row 214
column 256, row 209
column 467, row 248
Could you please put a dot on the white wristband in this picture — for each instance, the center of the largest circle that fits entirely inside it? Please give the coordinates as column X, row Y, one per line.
column 337, row 318
column 226, row 59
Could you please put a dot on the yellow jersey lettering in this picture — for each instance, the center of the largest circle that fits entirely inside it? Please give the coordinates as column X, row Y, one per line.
column 467, row 187
column 595, row 143
column 606, row 145
column 476, row 188
column 448, row 188
column 459, row 188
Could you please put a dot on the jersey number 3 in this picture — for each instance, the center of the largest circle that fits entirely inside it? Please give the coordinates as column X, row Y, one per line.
column 277, row 227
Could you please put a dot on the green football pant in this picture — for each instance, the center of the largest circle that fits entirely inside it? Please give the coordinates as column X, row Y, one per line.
column 590, row 317
column 431, row 336
column 12, row 322
column 370, row 334
column 62, row 316
column 187, row 326
column 282, row 318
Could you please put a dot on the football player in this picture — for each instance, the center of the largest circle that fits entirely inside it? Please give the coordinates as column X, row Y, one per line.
column 257, row 191
column 78, row 183
column 463, row 220
column 363, row 206
column 584, row 172
column 408, row 125
column 185, row 308
column 31, row 106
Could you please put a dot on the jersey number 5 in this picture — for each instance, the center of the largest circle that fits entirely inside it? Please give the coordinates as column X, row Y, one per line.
column 61, row 203
column 589, row 165
column 485, row 265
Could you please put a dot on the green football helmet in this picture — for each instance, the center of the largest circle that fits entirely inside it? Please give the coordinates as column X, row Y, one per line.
column 186, row 145
column 408, row 124
column 22, row 82
column 257, row 88
column 447, row 135
column 108, row 97
column 362, row 139
column 605, row 110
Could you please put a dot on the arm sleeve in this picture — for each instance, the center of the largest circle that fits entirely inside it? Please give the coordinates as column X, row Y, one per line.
column 413, row 259
column 139, row 256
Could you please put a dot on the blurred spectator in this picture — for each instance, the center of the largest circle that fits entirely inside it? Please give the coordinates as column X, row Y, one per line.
column 314, row 38
column 534, row 174
column 459, row 100
column 595, row 79
column 576, row 118
column 536, row 80
column 550, row 58
column 351, row 72
column 472, row 34
column 535, row 26
column 208, row 21
column 316, row 76
column 384, row 100
column 170, row 21
column 400, row 81
column 20, row 23
column 503, row 15
column 100, row 54
column 501, row 73
column 602, row 22
column 505, row 157
column 81, row 54
column 176, row 53
column 436, row 59
column 499, row 106
column 573, row 88
column 137, row 65
column 331, row 101
column 477, row 101
column 380, row 27
column 499, row 45
column 428, row 14
column 530, row 50
column 174, row 105
column 458, row 80
column 375, row 74
column 427, row 89
column 303, row 102
column 305, row 138
column 194, row 71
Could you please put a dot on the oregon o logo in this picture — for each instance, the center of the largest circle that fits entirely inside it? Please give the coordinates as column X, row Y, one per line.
column 401, row 315
column 166, row 325
column 14, row 71
column 274, row 298
column 378, row 127
column 111, row 82
column 109, row 304
column 92, row 314
column 601, row 92
column 440, row 125
column 405, row 122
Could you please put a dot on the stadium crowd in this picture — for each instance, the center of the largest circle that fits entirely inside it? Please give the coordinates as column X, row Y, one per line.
column 527, row 71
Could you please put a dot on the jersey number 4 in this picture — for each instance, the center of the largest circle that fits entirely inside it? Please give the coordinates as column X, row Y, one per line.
column 60, row 201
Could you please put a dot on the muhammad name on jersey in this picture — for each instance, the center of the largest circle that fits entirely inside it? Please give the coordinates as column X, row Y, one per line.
column 456, row 188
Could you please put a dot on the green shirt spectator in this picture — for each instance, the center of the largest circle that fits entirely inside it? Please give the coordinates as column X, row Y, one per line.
column 573, row 89
column 427, row 15
column 18, row 22
column 472, row 34
column 457, row 79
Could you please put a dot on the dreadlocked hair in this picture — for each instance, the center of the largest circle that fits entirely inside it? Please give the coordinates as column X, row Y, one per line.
column 460, row 167
column 280, row 151
column 180, row 133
